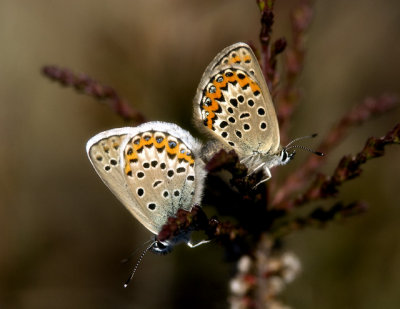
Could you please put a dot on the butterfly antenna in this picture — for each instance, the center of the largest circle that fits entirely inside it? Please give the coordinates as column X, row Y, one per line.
column 321, row 154
column 137, row 264
column 300, row 138
column 129, row 257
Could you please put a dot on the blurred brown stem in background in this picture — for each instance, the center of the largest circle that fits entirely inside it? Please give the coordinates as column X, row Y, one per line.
column 87, row 85
column 289, row 94
column 370, row 107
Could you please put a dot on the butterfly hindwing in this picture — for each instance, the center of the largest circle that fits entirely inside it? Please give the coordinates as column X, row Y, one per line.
column 158, row 170
column 233, row 103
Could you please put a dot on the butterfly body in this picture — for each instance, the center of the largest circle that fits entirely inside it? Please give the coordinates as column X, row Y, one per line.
column 233, row 105
column 153, row 169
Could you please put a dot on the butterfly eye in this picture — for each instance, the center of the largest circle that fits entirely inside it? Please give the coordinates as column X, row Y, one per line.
column 160, row 248
column 284, row 155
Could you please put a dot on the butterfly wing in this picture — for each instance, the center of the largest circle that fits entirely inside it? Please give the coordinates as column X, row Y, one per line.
column 233, row 103
column 104, row 153
column 158, row 171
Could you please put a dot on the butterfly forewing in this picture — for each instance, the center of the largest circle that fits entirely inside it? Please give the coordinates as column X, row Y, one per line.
column 234, row 105
column 104, row 154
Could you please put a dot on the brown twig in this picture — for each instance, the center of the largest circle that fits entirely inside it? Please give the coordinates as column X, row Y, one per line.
column 369, row 108
column 182, row 222
column 87, row 85
column 267, row 20
column 225, row 233
column 289, row 96
column 319, row 217
column 348, row 168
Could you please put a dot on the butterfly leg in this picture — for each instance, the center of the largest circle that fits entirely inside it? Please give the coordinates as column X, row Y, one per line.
column 246, row 159
column 264, row 179
column 194, row 245
column 252, row 171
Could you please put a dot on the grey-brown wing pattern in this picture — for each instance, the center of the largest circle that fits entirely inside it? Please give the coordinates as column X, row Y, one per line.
column 233, row 103
column 104, row 153
column 152, row 169
column 160, row 170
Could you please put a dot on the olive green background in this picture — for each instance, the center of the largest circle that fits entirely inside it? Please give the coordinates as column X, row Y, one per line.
column 62, row 233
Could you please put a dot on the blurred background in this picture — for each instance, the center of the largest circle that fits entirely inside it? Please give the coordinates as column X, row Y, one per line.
column 62, row 232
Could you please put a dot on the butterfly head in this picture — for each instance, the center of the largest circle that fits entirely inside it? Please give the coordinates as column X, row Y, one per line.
column 285, row 156
column 161, row 247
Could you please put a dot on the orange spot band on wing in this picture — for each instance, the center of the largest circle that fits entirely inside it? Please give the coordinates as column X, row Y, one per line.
column 186, row 157
column 133, row 155
column 217, row 94
column 172, row 151
column 247, row 58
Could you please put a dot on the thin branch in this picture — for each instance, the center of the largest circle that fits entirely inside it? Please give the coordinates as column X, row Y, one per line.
column 319, row 217
column 226, row 233
column 87, row 85
column 290, row 95
column 349, row 167
column 182, row 222
column 267, row 20
column 369, row 108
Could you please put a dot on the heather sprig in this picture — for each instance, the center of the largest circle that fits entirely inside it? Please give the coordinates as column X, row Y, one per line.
column 251, row 223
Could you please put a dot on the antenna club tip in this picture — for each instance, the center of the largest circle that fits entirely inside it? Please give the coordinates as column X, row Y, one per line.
column 125, row 285
column 314, row 135
column 321, row 154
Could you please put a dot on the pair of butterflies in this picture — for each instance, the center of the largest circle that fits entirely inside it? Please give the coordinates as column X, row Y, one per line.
column 155, row 169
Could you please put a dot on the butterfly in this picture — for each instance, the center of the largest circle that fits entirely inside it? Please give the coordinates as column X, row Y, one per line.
column 153, row 169
column 233, row 105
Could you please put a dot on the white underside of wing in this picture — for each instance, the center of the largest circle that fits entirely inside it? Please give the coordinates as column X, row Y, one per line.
column 113, row 175
column 263, row 139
